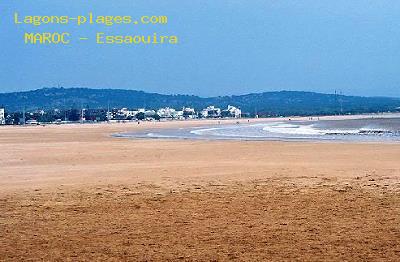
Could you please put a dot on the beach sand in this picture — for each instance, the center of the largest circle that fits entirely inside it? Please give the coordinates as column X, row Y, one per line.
column 73, row 192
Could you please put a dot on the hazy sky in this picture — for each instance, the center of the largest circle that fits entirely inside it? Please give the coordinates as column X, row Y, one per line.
column 226, row 47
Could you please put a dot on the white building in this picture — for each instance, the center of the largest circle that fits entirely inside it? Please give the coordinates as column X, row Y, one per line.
column 166, row 112
column 179, row 115
column 128, row 113
column 2, row 117
column 149, row 113
column 109, row 115
column 211, row 111
column 234, row 111
column 188, row 112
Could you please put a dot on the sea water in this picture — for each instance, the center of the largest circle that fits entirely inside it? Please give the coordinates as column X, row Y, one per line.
column 370, row 129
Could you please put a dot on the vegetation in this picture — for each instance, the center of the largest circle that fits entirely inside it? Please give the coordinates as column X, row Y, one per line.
column 264, row 104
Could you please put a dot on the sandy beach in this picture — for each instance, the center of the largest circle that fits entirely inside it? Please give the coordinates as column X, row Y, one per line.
column 74, row 192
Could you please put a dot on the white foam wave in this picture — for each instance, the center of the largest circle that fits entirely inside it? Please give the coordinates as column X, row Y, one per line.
column 292, row 129
column 272, row 129
column 159, row 135
column 201, row 131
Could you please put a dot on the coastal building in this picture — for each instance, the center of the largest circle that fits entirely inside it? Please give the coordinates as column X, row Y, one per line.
column 149, row 113
column 211, row 112
column 188, row 112
column 116, row 114
column 2, row 116
column 234, row 111
column 109, row 115
column 178, row 114
column 128, row 113
column 166, row 112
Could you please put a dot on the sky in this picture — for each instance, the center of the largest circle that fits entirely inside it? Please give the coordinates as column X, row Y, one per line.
column 225, row 47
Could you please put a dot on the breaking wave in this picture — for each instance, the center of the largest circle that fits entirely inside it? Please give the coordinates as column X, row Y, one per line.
column 353, row 130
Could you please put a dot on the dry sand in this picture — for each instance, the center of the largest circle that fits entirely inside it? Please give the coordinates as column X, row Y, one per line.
column 75, row 193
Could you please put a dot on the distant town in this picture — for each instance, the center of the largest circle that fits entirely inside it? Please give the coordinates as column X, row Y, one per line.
column 85, row 115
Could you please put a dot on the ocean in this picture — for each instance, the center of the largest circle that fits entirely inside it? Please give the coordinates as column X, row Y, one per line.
column 365, row 129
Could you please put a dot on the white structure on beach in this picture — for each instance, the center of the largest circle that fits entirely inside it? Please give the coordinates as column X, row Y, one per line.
column 2, row 116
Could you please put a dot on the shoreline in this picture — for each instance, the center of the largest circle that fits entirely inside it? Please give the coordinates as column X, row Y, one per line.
column 224, row 120
column 212, row 130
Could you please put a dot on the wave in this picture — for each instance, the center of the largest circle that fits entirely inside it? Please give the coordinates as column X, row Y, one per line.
column 289, row 130
column 352, row 130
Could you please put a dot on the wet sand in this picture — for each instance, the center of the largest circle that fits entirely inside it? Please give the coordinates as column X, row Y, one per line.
column 75, row 193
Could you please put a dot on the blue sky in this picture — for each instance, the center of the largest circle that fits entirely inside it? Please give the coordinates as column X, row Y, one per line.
column 226, row 47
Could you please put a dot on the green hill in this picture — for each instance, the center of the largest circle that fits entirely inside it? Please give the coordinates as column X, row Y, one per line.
column 268, row 103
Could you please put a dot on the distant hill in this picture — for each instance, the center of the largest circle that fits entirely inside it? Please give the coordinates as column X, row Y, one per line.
column 268, row 103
